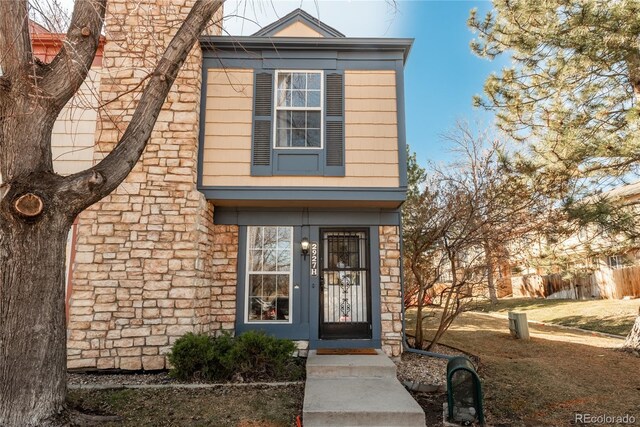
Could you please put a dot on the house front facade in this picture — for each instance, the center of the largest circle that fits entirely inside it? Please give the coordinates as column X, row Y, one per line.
column 268, row 197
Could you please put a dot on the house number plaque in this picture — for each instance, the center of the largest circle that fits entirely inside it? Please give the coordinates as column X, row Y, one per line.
column 314, row 259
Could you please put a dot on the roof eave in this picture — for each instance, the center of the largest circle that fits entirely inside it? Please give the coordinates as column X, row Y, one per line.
column 347, row 43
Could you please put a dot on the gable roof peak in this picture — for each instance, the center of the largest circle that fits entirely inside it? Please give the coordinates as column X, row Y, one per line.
column 298, row 15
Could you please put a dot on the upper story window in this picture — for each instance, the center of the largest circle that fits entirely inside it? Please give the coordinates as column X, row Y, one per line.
column 298, row 121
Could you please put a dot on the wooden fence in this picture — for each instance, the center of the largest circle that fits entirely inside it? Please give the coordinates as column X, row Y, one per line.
column 605, row 283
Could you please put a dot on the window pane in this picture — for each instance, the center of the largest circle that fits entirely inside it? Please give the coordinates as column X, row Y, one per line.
column 298, row 119
column 269, row 260
column 313, row 137
column 299, row 81
column 255, row 260
column 298, row 98
column 284, row 119
column 284, row 234
column 269, row 286
column 283, row 285
column 284, row 260
column 255, row 285
column 270, row 237
column 313, row 119
column 282, row 98
column 255, row 309
column 284, row 81
column 255, row 237
column 298, row 138
column 283, row 138
column 313, row 98
column 313, row 81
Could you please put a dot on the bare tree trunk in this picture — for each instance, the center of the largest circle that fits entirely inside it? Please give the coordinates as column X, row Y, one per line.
column 633, row 339
column 417, row 274
column 37, row 207
column 493, row 295
column 419, row 333
column 32, row 324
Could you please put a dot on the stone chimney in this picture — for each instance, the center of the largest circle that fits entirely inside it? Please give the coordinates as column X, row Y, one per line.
column 141, row 274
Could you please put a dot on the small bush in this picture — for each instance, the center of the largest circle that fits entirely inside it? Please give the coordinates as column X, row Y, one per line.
column 258, row 356
column 250, row 356
column 190, row 356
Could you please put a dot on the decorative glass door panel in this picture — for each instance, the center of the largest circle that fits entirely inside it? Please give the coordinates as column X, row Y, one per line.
column 345, row 299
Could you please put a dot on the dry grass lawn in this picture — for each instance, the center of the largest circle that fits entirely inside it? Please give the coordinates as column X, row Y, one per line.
column 547, row 380
column 246, row 406
column 609, row 316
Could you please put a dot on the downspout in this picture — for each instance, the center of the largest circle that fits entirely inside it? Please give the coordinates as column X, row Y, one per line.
column 405, row 344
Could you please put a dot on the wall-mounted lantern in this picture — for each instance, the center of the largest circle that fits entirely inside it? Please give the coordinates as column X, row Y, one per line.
column 304, row 245
column 464, row 392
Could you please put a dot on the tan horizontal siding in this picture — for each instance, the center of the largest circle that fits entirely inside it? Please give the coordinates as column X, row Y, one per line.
column 366, row 104
column 358, row 143
column 298, row 29
column 371, row 134
column 299, row 181
column 73, row 134
column 370, row 78
column 226, row 156
column 364, row 92
column 371, row 157
column 221, row 142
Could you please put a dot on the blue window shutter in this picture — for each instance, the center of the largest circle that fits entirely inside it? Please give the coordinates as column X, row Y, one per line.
column 262, row 123
column 334, row 123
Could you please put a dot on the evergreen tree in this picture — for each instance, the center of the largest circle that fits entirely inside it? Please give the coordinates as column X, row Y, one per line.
column 571, row 93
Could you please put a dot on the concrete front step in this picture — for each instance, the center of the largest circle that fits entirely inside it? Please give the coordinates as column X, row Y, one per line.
column 361, row 366
column 357, row 390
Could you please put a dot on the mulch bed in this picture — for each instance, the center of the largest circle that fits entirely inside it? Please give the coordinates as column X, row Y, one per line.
column 431, row 371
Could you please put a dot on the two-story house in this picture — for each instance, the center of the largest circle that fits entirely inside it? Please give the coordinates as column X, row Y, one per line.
column 268, row 198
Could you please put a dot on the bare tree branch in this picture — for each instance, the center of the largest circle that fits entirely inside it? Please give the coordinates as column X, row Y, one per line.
column 15, row 41
column 89, row 186
column 69, row 68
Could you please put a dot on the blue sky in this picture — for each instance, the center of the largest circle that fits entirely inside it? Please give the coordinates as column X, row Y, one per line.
column 442, row 74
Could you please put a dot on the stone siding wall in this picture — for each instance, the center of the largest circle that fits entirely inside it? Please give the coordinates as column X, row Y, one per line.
column 141, row 277
column 224, row 264
column 390, row 289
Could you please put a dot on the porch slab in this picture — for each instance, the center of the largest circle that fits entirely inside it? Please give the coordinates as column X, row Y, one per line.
column 340, row 366
column 357, row 391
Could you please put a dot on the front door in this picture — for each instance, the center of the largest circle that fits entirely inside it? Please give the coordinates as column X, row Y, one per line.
column 345, row 284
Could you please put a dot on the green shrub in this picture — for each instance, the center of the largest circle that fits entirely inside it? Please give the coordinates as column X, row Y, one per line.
column 251, row 356
column 258, row 356
column 190, row 356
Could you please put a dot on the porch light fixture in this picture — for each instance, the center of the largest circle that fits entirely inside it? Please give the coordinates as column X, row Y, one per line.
column 304, row 245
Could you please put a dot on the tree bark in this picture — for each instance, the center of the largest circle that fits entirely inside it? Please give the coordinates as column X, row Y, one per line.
column 493, row 294
column 32, row 319
column 633, row 339
column 37, row 206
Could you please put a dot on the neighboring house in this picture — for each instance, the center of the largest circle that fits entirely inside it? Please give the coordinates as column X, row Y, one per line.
column 591, row 263
column 268, row 196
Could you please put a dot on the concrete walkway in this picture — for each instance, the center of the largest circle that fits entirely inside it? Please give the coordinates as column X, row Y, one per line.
column 358, row 390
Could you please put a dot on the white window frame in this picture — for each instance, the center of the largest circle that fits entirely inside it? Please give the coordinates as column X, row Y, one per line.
column 247, row 295
column 618, row 259
column 276, row 109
